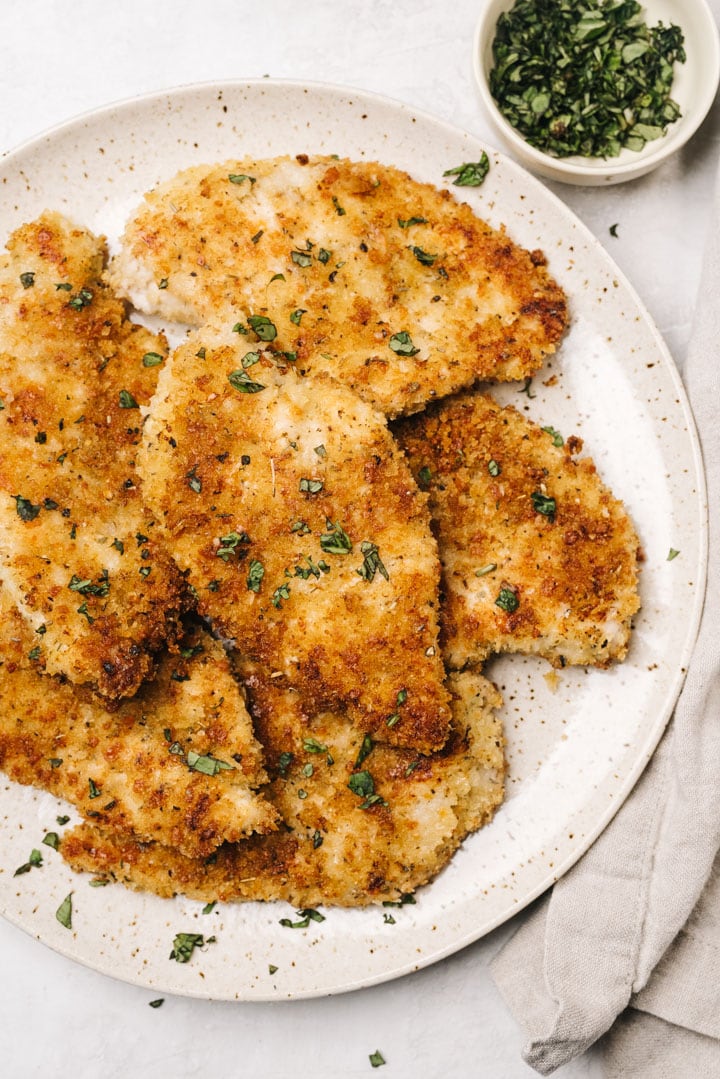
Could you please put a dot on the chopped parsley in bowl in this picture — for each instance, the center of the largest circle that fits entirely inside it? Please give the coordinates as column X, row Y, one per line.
column 596, row 91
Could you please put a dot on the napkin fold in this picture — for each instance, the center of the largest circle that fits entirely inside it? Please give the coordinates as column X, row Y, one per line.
column 633, row 930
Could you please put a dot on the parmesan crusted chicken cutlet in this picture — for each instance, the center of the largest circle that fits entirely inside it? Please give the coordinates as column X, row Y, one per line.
column 365, row 822
column 78, row 550
column 302, row 530
column 177, row 764
column 390, row 285
column 538, row 556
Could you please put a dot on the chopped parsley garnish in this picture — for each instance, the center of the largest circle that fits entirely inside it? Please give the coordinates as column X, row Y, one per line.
column 424, row 476
column 93, row 790
column 256, row 572
column 34, row 653
column 472, row 173
column 324, row 255
column 301, row 258
column 613, row 230
column 401, row 343
column 296, row 315
column 406, row 899
column 185, row 944
column 240, row 178
column 494, row 468
column 484, row 570
column 586, row 79
column 377, row 1059
column 411, row 221
column 241, row 381
column 310, row 486
column 280, row 593
column 364, row 752
column 52, row 839
column 208, row 765
column 230, row 543
column 544, row 504
column 305, row 916
column 372, row 562
column 311, row 745
column 25, row 509
column 87, row 587
column 64, row 912
column 400, row 701
column 336, row 539
column 363, row 785
column 83, row 610
column 557, row 438
column 422, row 256
column 194, row 481
column 507, row 600
column 672, row 553
column 82, row 299
column 156, row 1003
column 27, row 279
column 263, row 327
column 284, row 762
column 33, row 862
column 152, row 359
column 126, row 400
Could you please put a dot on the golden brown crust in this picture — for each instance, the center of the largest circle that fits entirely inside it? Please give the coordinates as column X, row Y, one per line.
column 302, row 531
column 79, row 552
column 340, row 846
column 343, row 256
column 522, row 521
column 147, row 767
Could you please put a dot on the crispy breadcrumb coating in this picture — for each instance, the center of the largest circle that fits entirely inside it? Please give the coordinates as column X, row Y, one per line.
column 538, row 556
column 304, row 535
column 178, row 764
column 78, row 550
column 342, row 844
column 390, row 285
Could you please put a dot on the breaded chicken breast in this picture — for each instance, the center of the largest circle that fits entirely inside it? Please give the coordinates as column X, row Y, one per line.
column 78, row 551
column 365, row 822
column 538, row 556
column 302, row 530
column 390, row 285
column 178, row 764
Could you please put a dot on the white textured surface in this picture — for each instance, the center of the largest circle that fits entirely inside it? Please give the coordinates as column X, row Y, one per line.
column 57, row 60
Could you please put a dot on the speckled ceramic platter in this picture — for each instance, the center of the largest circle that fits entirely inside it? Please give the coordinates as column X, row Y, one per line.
column 577, row 741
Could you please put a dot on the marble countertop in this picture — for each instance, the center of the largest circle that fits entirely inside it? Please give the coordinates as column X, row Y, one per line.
column 58, row 60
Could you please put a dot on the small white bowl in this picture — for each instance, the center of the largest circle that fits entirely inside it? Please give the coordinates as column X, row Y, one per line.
column 694, row 86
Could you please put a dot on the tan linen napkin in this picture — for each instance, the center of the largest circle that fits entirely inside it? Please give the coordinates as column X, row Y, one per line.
column 637, row 921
